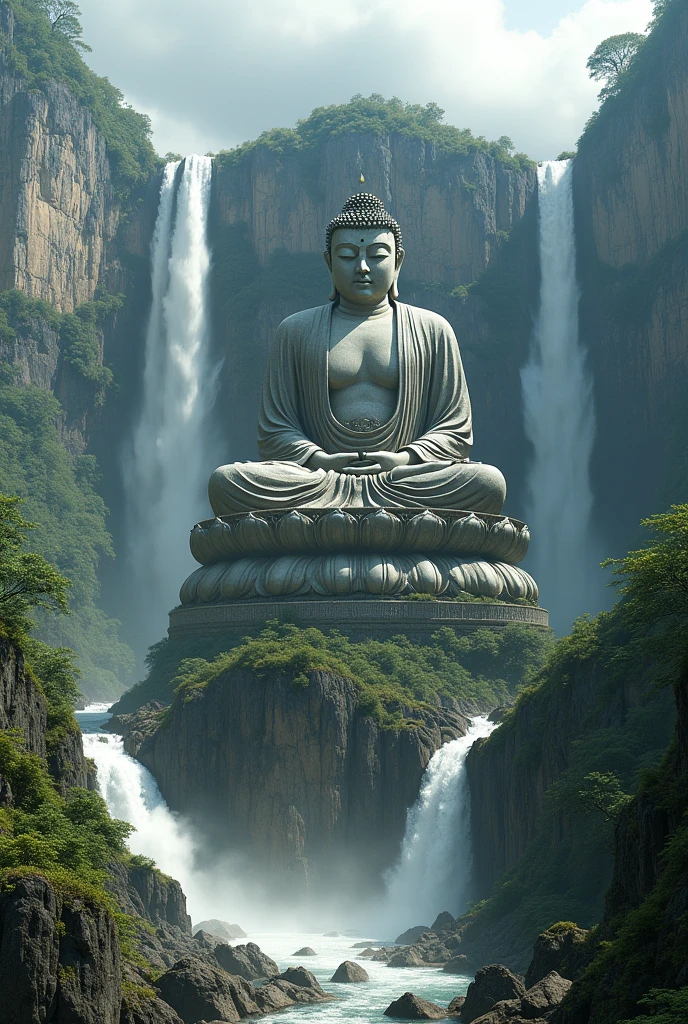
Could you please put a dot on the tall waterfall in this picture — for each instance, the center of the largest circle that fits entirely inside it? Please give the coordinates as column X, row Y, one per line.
column 434, row 869
column 168, row 464
column 559, row 418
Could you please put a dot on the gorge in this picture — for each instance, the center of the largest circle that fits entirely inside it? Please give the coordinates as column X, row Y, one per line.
column 326, row 773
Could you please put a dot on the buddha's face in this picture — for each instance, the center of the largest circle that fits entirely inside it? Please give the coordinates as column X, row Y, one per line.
column 364, row 264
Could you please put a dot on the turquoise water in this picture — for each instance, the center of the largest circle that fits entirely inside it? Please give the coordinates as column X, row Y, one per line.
column 366, row 1001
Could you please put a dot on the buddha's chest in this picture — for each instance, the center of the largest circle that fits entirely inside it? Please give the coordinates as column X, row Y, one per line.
column 363, row 353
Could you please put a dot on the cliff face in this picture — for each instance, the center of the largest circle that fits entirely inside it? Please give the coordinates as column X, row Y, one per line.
column 510, row 773
column 631, row 198
column 314, row 808
column 57, row 213
column 22, row 705
column 450, row 207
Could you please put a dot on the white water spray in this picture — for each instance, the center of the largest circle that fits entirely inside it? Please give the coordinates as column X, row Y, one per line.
column 132, row 794
column 434, row 868
column 559, row 418
column 167, row 468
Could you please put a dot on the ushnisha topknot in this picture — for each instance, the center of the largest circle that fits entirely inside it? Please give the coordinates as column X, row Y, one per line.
column 363, row 210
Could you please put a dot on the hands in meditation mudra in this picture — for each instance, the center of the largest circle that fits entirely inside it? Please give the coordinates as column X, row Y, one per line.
column 365, row 486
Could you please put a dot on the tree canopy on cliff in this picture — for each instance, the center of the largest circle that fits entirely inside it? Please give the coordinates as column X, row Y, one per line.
column 376, row 115
column 43, row 52
column 610, row 61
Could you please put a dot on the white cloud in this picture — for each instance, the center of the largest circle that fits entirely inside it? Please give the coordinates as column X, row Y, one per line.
column 217, row 72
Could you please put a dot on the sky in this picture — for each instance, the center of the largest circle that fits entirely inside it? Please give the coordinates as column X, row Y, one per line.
column 214, row 73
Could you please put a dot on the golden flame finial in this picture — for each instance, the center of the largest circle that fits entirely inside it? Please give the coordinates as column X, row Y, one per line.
column 362, row 180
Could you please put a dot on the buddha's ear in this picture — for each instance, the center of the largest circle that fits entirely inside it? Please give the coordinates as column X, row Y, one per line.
column 328, row 260
column 394, row 290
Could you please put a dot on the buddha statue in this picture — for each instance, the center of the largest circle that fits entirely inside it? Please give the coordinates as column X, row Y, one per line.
column 364, row 401
column 365, row 487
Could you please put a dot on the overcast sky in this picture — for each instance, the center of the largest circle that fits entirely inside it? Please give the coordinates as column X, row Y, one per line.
column 213, row 73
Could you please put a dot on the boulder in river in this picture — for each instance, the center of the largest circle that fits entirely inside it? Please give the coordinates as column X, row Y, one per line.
column 561, row 949
column 199, row 991
column 369, row 952
column 406, row 958
column 442, row 922
column 493, row 984
column 411, row 935
column 410, row 1007
column 457, row 965
column 349, row 972
column 247, row 962
column 305, row 951
column 363, row 945
column 544, row 996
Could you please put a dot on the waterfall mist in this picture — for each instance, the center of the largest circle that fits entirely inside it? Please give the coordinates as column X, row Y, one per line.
column 170, row 457
column 434, row 868
column 559, row 419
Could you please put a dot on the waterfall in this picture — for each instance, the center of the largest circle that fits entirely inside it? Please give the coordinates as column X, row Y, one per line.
column 434, row 869
column 170, row 459
column 131, row 793
column 559, row 418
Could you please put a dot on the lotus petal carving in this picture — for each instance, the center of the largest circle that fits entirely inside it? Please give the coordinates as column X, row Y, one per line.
column 239, row 579
column 381, row 531
column 426, row 531
column 253, row 535
column 337, row 531
column 339, row 575
column 294, row 531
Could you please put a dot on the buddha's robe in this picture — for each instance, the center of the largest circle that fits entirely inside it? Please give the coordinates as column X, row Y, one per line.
column 432, row 419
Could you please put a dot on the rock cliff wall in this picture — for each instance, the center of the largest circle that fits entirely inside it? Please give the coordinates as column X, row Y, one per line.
column 58, row 216
column 510, row 773
column 631, row 199
column 22, row 705
column 306, row 810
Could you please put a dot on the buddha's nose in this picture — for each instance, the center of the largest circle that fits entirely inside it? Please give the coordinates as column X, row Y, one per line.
column 363, row 267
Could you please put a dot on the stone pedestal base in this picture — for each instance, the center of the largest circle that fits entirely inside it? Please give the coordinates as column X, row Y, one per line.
column 358, row 619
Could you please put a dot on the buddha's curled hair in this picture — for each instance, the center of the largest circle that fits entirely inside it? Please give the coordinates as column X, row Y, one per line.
column 363, row 210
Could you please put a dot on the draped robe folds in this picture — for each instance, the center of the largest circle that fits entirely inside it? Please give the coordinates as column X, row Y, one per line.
column 432, row 419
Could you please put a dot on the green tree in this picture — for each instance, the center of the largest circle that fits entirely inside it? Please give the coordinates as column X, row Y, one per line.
column 64, row 18
column 602, row 792
column 27, row 579
column 654, row 582
column 610, row 61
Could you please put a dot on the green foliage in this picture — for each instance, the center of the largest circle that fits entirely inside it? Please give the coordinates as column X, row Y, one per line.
column 654, row 583
column 601, row 792
column 42, row 54
column 64, row 18
column 78, row 332
column 663, row 1006
column 80, row 342
column 644, row 72
column 567, row 154
column 377, row 115
column 27, row 580
column 54, row 670
column 43, row 831
column 610, row 61
column 59, row 493
column 389, row 675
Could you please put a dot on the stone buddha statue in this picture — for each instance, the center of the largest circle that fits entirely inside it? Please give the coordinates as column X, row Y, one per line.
column 364, row 401
column 365, row 487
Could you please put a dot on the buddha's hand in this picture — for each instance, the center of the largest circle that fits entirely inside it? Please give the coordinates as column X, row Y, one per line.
column 378, row 462
column 337, row 462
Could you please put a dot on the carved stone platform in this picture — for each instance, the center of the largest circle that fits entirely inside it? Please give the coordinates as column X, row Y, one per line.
column 375, row 618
